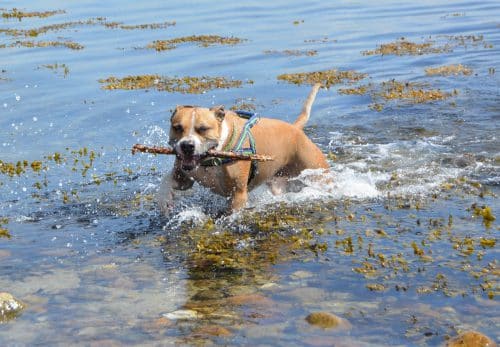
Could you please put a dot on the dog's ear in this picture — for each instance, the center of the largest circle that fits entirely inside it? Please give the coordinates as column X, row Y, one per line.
column 219, row 112
column 177, row 108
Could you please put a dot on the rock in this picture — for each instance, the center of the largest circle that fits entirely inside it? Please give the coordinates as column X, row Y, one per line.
column 213, row 330
column 471, row 339
column 10, row 307
column 182, row 315
column 157, row 325
column 299, row 275
column 207, row 294
column 326, row 320
column 250, row 300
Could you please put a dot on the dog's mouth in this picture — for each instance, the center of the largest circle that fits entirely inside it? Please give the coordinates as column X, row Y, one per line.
column 190, row 162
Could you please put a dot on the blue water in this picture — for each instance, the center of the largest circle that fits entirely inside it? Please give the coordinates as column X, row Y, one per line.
column 93, row 260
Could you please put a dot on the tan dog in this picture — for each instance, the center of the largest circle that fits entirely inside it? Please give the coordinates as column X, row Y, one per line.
column 195, row 130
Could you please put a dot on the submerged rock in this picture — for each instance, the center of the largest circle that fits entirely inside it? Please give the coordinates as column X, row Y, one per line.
column 213, row 330
column 10, row 307
column 471, row 339
column 182, row 315
column 326, row 320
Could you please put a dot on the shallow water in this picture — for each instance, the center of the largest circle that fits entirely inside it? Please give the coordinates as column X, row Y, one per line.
column 396, row 245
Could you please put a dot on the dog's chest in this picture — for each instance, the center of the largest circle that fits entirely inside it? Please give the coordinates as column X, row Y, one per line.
column 212, row 177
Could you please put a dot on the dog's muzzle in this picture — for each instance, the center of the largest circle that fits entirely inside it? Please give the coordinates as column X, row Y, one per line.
column 186, row 154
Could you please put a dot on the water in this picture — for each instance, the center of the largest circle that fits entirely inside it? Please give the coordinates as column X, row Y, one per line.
column 93, row 260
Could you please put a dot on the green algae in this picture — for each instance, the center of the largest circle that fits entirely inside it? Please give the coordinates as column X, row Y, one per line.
column 376, row 287
column 185, row 85
column 448, row 70
column 405, row 47
column 293, row 52
column 402, row 46
column 408, row 92
column 43, row 44
column 244, row 104
column 323, row 320
column 325, row 39
column 4, row 232
column 18, row 14
column 34, row 32
column 327, row 78
column 200, row 40
column 57, row 68
column 147, row 26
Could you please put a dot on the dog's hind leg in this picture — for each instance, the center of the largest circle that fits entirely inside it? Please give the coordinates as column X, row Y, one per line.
column 278, row 185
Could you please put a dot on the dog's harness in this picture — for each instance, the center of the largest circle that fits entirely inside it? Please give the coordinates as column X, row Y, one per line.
column 252, row 119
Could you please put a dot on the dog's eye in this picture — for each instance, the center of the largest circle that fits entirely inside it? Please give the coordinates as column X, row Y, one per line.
column 177, row 128
column 202, row 129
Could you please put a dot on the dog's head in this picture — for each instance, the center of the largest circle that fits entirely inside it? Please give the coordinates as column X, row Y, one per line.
column 193, row 131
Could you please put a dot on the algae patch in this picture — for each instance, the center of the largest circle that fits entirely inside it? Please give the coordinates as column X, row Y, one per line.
column 187, row 84
column 410, row 92
column 150, row 26
column 57, row 68
column 439, row 44
column 293, row 52
column 4, row 232
column 327, row 78
column 200, row 40
column 448, row 70
column 323, row 320
column 405, row 47
column 16, row 13
column 41, row 44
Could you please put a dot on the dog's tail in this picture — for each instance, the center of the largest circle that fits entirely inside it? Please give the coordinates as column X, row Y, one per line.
column 306, row 109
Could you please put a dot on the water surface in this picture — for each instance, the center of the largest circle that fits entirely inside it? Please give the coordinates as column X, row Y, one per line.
column 396, row 245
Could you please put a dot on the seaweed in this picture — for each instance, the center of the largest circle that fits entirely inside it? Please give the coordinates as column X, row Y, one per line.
column 40, row 44
column 404, row 47
column 410, row 92
column 293, row 52
column 327, row 78
column 187, row 84
column 448, row 70
column 200, row 40
column 150, row 26
column 16, row 13
column 57, row 68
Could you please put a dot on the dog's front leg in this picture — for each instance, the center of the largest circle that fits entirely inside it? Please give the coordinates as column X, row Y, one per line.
column 239, row 199
column 176, row 179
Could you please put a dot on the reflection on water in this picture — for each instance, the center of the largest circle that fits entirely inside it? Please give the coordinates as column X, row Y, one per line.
column 401, row 245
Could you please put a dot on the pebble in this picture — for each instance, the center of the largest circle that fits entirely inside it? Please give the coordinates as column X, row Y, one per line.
column 299, row 275
column 326, row 320
column 471, row 339
column 182, row 315
column 9, row 306
column 213, row 330
column 250, row 300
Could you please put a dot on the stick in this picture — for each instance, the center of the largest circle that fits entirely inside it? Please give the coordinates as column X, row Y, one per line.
column 211, row 153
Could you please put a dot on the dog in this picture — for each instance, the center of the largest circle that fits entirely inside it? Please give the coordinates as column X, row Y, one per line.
column 195, row 130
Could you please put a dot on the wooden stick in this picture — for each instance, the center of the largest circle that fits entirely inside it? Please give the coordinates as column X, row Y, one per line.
column 211, row 153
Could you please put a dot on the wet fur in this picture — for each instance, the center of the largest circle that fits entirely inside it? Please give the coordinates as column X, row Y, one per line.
column 206, row 128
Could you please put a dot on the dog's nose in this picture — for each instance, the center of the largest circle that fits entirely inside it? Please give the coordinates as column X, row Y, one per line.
column 187, row 147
